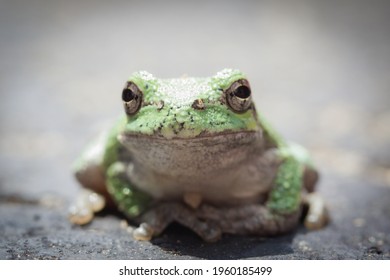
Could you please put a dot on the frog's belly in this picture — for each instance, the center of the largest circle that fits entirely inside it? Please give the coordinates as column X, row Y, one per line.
column 231, row 186
column 229, row 169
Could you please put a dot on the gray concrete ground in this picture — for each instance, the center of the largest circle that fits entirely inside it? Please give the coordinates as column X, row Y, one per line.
column 319, row 71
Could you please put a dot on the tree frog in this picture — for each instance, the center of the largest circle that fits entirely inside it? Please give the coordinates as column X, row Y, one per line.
column 197, row 152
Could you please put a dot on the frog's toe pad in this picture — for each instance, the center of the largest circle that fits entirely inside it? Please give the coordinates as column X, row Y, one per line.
column 317, row 216
column 80, row 215
column 144, row 232
column 95, row 201
column 314, row 222
column 88, row 202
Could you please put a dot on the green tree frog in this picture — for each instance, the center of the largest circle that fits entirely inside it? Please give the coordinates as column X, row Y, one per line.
column 197, row 152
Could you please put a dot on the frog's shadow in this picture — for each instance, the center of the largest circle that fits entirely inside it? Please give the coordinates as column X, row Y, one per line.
column 177, row 239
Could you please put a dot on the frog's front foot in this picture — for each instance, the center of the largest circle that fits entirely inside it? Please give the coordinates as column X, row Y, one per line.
column 317, row 215
column 87, row 203
column 158, row 218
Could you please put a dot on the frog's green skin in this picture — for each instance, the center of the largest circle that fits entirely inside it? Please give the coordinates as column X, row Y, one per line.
column 188, row 155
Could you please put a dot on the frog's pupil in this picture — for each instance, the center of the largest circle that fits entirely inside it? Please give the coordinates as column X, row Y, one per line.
column 242, row 92
column 127, row 95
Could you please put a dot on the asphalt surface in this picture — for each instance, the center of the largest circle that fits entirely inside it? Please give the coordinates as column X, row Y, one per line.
column 319, row 72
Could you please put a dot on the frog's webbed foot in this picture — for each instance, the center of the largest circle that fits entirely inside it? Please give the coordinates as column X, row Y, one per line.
column 317, row 215
column 87, row 203
column 253, row 219
column 159, row 217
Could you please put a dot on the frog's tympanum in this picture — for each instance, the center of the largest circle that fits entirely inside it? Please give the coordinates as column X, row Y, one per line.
column 197, row 152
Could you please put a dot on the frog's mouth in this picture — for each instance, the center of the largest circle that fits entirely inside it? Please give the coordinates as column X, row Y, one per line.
column 204, row 137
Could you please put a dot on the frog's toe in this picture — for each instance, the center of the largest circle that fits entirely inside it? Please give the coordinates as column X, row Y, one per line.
column 88, row 203
column 95, row 201
column 80, row 215
column 317, row 216
column 144, row 232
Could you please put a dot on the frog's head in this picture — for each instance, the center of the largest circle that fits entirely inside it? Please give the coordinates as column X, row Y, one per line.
column 188, row 107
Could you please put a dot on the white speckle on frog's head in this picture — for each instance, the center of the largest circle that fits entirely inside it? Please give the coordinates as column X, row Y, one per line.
column 182, row 91
column 224, row 74
column 146, row 76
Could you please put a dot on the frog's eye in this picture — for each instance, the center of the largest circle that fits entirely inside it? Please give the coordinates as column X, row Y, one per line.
column 132, row 98
column 238, row 96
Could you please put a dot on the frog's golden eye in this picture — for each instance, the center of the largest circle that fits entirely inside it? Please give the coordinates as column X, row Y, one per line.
column 238, row 96
column 132, row 98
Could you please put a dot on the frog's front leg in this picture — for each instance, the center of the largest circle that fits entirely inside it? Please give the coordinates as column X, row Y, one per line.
column 89, row 172
column 131, row 201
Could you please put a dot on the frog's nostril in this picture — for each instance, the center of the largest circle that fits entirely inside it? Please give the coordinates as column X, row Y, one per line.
column 198, row 104
column 160, row 105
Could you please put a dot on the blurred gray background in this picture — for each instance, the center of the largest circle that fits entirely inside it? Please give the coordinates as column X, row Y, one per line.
column 319, row 70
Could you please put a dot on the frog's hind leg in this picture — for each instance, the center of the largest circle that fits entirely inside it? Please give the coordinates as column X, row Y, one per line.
column 310, row 178
column 317, row 214
column 88, row 168
column 91, row 199
column 89, row 173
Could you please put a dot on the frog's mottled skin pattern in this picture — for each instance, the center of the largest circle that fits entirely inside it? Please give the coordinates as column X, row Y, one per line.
column 185, row 146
